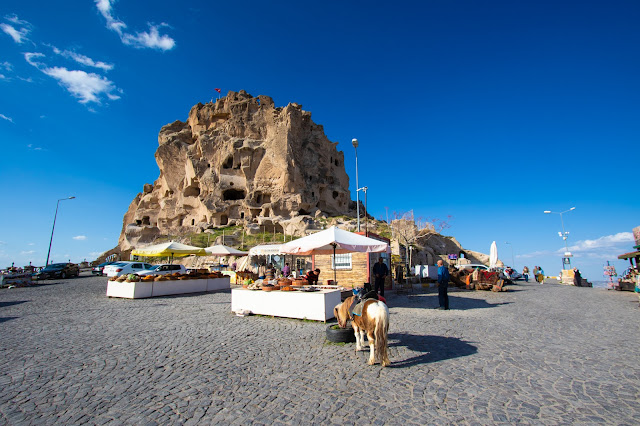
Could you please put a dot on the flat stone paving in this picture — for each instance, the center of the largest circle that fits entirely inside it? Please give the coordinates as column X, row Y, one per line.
column 538, row 354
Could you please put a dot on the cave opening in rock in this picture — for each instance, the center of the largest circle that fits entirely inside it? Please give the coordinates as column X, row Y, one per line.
column 224, row 219
column 228, row 163
column 335, row 194
column 145, row 220
column 233, row 194
column 303, row 212
column 192, row 191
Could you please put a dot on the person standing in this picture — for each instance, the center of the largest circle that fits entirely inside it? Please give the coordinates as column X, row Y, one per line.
column 525, row 273
column 286, row 271
column 540, row 275
column 443, row 284
column 577, row 277
column 380, row 271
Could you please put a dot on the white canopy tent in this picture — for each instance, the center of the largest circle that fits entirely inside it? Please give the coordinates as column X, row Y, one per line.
column 265, row 250
column 334, row 240
column 222, row 250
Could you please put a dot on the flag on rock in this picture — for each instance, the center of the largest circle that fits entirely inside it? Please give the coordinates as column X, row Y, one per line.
column 217, row 90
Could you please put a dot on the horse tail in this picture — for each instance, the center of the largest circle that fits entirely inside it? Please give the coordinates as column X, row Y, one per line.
column 381, row 331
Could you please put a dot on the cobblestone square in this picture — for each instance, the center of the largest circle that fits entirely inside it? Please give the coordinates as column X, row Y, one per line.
column 538, row 354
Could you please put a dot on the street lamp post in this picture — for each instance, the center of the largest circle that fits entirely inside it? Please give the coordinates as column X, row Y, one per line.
column 513, row 262
column 54, row 226
column 366, row 219
column 564, row 234
column 354, row 142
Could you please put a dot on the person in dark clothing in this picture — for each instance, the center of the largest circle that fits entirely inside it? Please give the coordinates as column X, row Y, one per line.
column 312, row 277
column 577, row 278
column 443, row 284
column 380, row 271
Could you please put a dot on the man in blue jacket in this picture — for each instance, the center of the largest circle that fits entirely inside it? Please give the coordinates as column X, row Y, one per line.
column 443, row 284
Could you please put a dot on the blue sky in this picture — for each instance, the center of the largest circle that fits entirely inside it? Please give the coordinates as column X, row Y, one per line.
column 490, row 112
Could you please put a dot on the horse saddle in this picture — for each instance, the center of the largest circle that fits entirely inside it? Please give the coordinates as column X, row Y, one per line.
column 358, row 304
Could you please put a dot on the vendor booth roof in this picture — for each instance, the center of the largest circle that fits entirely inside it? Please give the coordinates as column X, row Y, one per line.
column 333, row 240
column 169, row 249
column 222, row 250
column 265, row 249
column 629, row 255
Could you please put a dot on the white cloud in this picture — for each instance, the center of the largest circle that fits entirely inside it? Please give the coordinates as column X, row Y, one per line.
column 6, row 66
column 88, row 87
column 151, row 39
column 27, row 252
column 82, row 59
column 4, row 117
column 608, row 241
column 19, row 35
column 34, row 148
column 80, row 237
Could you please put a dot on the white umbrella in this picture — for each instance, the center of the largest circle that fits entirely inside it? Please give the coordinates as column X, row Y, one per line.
column 333, row 240
column 222, row 250
column 493, row 255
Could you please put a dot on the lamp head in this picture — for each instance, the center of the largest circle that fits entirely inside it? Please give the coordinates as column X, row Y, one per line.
column 572, row 208
column 547, row 211
column 71, row 198
column 354, row 142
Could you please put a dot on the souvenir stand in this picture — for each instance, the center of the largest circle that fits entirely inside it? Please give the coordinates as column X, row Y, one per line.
column 297, row 299
column 134, row 287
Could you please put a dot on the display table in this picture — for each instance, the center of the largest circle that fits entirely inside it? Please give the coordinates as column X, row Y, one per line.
column 317, row 305
column 164, row 288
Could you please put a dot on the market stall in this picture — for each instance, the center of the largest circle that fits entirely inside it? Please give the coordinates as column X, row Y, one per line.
column 309, row 304
column 134, row 287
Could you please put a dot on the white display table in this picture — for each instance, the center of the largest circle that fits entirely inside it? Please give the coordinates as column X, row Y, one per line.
column 316, row 305
column 164, row 288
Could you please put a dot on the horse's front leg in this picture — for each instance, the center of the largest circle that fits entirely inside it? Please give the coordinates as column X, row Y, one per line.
column 372, row 354
column 357, row 332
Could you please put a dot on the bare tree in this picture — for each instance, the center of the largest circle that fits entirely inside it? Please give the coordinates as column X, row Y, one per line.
column 406, row 228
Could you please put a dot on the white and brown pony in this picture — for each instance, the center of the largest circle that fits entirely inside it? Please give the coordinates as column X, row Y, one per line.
column 374, row 321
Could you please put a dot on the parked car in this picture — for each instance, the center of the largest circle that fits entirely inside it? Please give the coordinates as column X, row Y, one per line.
column 58, row 270
column 512, row 274
column 163, row 269
column 473, row 266
column 98, row 270
column 121, row 268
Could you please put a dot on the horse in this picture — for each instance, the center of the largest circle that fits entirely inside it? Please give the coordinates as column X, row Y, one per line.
column 374, row 321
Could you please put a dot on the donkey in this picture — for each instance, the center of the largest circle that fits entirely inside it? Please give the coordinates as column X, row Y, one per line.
column 374, row 321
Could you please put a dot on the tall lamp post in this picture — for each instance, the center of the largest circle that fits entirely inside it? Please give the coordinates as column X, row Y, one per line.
column 366, row 219
column 354, row 142
column 564, row 234
column 54, row 226
column 513, row 262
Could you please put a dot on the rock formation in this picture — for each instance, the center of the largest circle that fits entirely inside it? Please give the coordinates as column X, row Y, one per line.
column 239, row 160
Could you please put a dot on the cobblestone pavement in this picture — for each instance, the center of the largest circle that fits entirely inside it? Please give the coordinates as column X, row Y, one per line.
column 539, row 354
